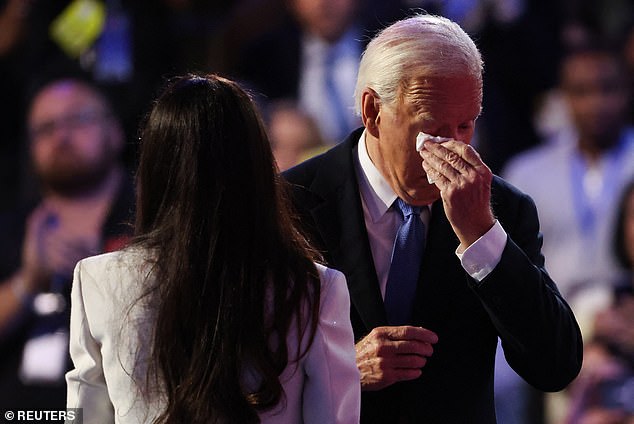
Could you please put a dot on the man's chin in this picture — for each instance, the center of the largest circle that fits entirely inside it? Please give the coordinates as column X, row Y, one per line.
column 73, row 183
column 425, row 194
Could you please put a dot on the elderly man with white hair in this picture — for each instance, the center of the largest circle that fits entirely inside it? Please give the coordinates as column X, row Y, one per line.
column 441, row 256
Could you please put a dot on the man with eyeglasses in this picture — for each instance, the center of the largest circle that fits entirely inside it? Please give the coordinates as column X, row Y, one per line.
column 86, row 200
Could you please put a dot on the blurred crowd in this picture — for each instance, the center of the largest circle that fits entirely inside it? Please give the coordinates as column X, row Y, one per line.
column 77, row 76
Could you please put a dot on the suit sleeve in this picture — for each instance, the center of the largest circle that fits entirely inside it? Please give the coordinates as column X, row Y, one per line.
column 86, row 385
column 332, row 392
column 540, row 336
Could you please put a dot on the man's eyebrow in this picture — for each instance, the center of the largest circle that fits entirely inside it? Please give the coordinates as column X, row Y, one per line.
column 424, row 115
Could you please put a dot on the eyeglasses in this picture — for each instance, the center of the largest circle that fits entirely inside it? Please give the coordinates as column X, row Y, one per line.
column 73, row 121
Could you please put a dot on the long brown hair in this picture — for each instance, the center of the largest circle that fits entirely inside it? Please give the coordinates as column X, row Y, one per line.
column 232, row 275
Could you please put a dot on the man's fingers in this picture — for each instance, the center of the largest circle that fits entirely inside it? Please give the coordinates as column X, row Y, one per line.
column 408, row 361
column 465, row 151
column 445, row 162
column 408, row 332
column 433, row 176
column 457, row 155
column 405, row 374
column 472, row 156
column 391, row 354
column 412, row 347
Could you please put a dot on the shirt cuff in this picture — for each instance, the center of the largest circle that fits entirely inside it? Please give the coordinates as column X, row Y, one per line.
column 484, row 254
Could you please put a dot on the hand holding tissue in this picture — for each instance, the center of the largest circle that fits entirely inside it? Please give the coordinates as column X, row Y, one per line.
column 421, row 138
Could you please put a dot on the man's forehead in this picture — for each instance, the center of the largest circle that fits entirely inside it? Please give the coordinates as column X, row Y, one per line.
column 425, row 95
column 69, row 88
column 65, row 95
column 442, row 86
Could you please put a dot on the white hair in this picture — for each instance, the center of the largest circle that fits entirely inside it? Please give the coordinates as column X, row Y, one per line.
column 419, row 46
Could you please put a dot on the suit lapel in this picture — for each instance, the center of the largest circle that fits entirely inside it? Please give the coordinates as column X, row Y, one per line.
column 340, row 220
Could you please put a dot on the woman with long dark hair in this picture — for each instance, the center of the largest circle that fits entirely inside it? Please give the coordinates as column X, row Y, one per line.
column 217, row 312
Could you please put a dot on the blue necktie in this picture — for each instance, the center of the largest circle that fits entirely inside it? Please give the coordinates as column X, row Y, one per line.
column 405, row 265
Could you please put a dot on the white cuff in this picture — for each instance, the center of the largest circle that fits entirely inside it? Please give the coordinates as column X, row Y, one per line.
column 484, row 254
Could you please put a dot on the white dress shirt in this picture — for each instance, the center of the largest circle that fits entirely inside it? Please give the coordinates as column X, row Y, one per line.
column 382, row 223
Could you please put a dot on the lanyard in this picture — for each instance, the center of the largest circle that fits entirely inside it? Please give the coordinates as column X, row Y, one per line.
column 586, row 209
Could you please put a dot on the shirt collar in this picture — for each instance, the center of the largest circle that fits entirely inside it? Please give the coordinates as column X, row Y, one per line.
column 375, row 190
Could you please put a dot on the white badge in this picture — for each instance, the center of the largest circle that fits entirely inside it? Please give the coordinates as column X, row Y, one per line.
column 44, row 358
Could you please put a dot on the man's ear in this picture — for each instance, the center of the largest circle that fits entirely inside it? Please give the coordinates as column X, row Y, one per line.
column 370, row 111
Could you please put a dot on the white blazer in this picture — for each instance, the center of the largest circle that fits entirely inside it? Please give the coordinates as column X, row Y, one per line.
column 110, row 337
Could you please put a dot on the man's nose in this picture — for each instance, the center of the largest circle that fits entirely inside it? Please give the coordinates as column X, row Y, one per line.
column 60, row 135
column 449, row 132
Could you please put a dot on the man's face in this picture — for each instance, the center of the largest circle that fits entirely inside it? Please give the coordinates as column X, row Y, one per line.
column 595, row 89
column 74, row 142
column 327, row 19
column 446, row 107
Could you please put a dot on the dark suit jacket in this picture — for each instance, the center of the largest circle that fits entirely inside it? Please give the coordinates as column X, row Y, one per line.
column 517, row 301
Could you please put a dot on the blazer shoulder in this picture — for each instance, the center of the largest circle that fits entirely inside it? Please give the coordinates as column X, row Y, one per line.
column 112, row 273
column 503, row 191
column 329, row 276
column 516, row 211
column 305, row 172
column 106, row 262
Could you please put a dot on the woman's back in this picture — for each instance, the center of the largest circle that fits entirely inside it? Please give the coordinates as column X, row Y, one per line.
column 111, row 335
column 210, row 324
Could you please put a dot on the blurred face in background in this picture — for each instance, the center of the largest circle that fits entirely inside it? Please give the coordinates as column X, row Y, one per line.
column 293, row 135
column 597, row 93
column 327, row 19
column 74, row 139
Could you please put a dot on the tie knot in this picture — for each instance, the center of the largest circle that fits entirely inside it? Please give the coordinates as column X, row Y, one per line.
column 407, row 209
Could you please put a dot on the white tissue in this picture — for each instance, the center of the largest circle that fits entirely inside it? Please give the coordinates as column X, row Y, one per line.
column 422, row 137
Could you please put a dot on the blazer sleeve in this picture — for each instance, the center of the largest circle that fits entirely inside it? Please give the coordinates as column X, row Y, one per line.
column 86, row 385
column 540, row 336
column 332, row 391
